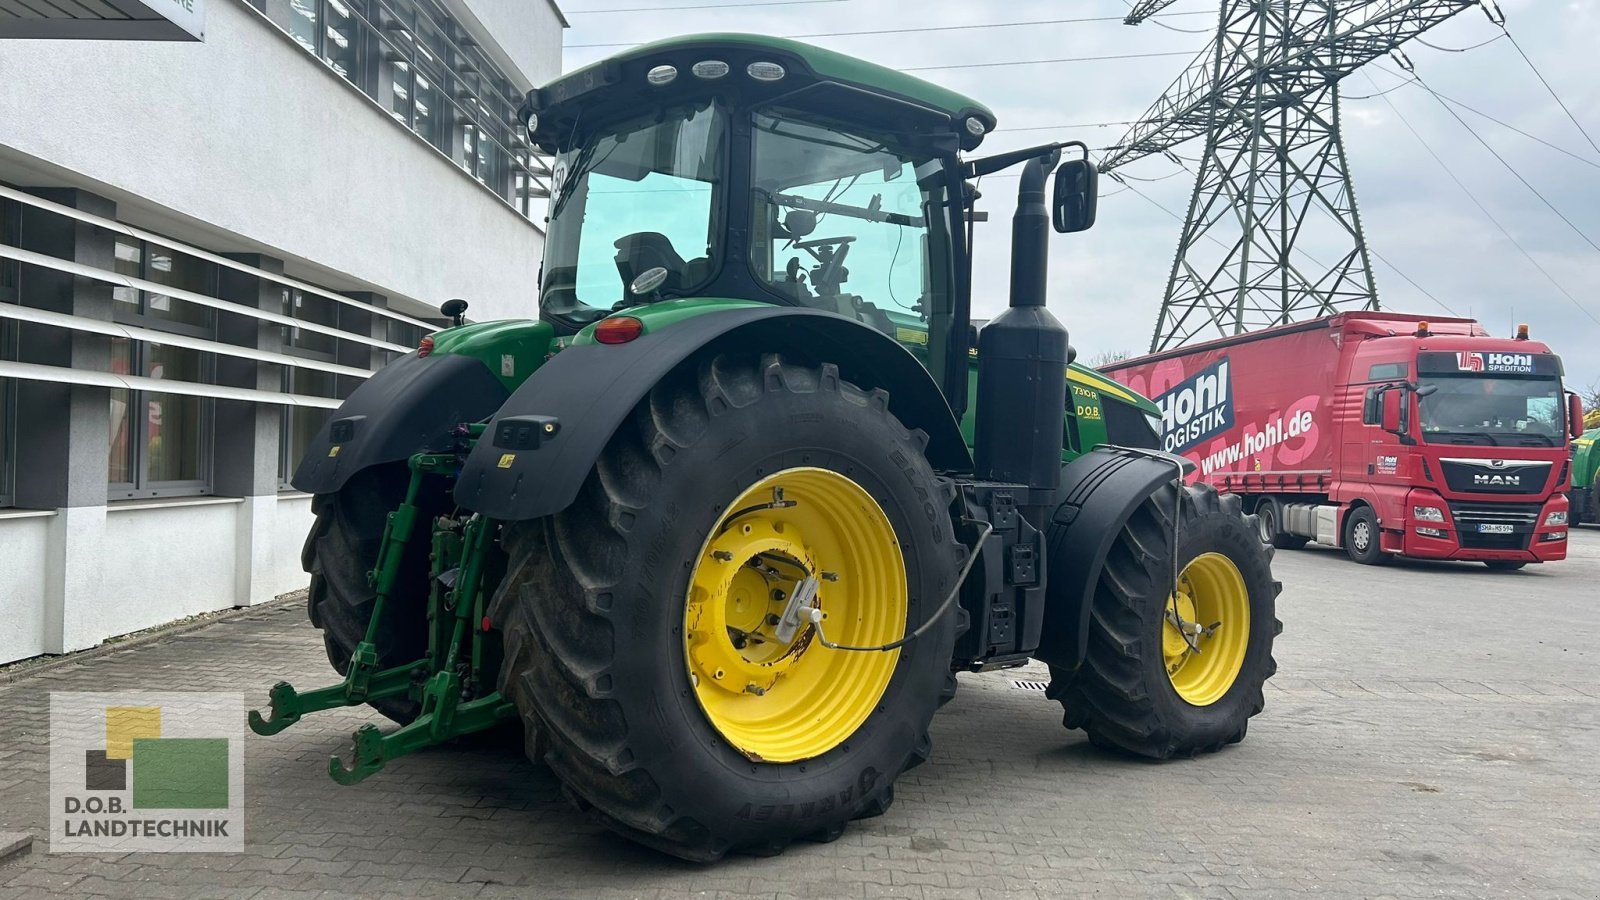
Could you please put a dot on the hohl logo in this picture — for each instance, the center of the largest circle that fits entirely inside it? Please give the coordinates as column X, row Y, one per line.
column 1197, row 408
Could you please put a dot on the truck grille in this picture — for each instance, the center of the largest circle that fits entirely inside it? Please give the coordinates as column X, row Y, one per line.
column 1522, row 517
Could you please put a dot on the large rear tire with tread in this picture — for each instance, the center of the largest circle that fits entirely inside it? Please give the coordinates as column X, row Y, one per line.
column 593, row 611
column 339, row 552
column 1123, row 694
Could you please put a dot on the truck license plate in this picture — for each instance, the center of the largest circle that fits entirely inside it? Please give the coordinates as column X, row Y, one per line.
column 1486, row 528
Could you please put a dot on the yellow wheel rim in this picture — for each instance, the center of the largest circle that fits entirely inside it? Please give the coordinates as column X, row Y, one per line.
column 1206, row 629
column 780, row 700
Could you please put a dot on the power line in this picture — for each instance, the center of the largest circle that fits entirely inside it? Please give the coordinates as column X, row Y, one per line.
column 1381, row 258
column 1497, row 37
column 819, row 34
column 591, row 12
column 1552, row 90
column 1409, row 80
column 1513, row 170
column 1008, row 130
column 1040, row 62
column 1481, row 208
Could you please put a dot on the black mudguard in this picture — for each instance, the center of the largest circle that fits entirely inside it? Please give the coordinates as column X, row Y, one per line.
column 409, row 406
column 542, row 444
column 1100, row 491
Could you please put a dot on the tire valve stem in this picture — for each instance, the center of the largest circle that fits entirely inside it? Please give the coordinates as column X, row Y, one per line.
column 722, row 556
column 754, row 688
column 830, row 576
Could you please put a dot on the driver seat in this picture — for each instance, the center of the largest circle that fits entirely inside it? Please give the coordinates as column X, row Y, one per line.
column 644, row 250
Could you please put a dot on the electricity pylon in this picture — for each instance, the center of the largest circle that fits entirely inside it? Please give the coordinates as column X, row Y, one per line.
column 1272, row 235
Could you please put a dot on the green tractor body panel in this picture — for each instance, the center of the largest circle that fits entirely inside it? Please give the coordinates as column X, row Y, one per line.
column 824, row 63
column 511, row 348
column 1586, row 459
column 1585, row 500
column 656, row 316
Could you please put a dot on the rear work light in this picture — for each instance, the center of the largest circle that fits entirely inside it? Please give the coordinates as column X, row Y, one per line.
column 425, row 346
column 618, row 330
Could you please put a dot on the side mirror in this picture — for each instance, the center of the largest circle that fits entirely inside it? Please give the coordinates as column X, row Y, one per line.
column 1574, row 415
column 1391, row 413
column 1076, row 195
column 1370, row 407
column 1427, row 390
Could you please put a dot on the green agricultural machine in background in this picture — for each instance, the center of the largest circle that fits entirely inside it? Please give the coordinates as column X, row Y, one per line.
column 1584, row 499
column 721, row 525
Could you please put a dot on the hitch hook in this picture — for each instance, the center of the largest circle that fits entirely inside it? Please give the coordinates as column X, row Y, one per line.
column 285, row 706
column 366, row 758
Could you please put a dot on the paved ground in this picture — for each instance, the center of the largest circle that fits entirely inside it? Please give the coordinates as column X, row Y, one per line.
column 1433, row 731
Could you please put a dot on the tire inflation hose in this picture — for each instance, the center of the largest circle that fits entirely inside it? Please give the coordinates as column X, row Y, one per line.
column 815, row 613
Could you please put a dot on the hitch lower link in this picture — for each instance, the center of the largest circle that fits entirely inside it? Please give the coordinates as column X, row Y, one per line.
column 453, row 688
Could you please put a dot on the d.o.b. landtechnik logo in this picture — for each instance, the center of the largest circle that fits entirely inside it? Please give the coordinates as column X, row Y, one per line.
column 134, row 771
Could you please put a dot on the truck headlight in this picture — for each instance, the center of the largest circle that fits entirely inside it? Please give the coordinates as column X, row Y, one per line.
column 1556, row 518
column 1427, row 513
column 1554, row 536
column 1431, row 532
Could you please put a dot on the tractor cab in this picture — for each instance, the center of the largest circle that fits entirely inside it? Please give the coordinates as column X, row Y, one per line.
column 750, row 168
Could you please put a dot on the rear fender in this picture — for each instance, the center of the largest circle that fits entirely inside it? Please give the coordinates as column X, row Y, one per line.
column 1100, row 491
column 544, row 441
column 409, row 406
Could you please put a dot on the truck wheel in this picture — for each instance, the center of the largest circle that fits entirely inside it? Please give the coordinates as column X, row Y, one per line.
column 1504, row 565
column 1142, row 688
column 1361, row 541
column 339, row 552
column 641, row 623
column 1269, row 521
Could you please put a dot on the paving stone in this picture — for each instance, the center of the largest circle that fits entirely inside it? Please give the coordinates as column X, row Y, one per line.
column 1432, row 732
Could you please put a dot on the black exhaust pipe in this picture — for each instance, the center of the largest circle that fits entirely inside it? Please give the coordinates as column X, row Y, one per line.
column 1022, row 360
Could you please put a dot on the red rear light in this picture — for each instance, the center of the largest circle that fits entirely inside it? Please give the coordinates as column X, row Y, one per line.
column 618, row 330
column 425, row 346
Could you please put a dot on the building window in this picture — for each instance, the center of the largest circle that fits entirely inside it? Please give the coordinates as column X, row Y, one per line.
column 301, row 423
column 159, row 440
column 8, row 413
column 421, row 65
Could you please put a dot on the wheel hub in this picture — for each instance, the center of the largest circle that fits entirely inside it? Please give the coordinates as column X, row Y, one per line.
column 800, row 540
column 1206, row 629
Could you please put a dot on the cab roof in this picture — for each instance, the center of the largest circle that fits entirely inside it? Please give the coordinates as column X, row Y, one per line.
column 806, row 65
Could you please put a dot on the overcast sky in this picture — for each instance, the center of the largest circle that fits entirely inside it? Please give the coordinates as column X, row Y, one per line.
column 1107, row 284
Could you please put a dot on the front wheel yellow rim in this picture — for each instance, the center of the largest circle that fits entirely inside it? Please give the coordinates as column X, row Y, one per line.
column 767, row 686
column 1206, row 629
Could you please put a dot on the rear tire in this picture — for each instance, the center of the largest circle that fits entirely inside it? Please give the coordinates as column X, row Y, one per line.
column 339, row 552
column 1122, row 695
column 1269, row 521
column 593, row 611
column 1361, row 537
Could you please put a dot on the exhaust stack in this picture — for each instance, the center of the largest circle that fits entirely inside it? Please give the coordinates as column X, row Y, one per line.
column 1022, row 358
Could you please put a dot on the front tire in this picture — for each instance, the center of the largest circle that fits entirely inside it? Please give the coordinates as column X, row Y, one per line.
column 1361, row 537
column 610, row 612
column 1135, row 691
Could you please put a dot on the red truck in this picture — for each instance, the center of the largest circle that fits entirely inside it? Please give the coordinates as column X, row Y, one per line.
column 1382, row 433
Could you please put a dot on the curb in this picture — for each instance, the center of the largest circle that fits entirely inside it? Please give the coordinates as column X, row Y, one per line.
column 23, row 669
column 14, row 844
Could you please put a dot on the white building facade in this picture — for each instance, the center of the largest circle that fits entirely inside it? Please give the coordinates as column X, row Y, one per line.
column 203, row 246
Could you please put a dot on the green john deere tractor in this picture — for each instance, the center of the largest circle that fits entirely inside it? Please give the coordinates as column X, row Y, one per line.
column 721, row 525
column 1584, row 499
